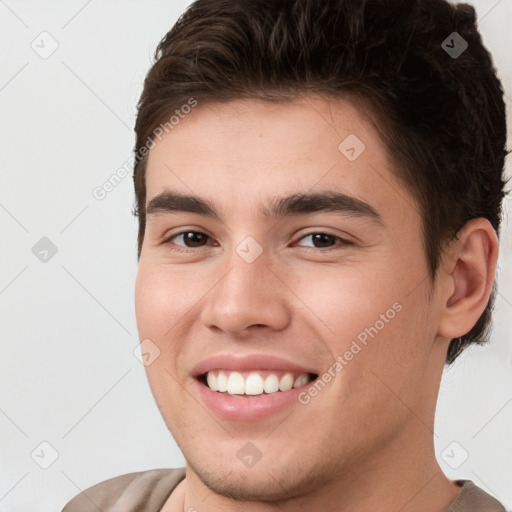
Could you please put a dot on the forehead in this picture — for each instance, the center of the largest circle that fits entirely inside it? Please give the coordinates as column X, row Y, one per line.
column 244, row 152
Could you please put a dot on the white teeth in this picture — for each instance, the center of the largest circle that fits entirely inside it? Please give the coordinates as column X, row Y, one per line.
column 211, row 378
column 236, row 384
column 286, row 382
column 254, row 384
column 271, row 384
column 299, row 381
column 222, row 382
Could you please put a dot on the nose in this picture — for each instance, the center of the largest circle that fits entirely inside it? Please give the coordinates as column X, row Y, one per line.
column 249, row 296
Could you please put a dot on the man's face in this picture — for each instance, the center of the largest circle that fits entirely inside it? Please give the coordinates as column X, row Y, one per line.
column 266, row 296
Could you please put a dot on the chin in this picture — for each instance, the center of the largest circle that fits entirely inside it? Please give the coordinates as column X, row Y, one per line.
column 259, row 483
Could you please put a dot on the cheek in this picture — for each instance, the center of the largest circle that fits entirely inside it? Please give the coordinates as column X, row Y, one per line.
column 162, row 299
column 147, row 304
column 370, row 318
column 387, row 358
column 158, row 308
column 344, row 299
column 165, row 313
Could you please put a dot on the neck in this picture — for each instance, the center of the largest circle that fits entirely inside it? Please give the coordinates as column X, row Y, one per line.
column 400, row 478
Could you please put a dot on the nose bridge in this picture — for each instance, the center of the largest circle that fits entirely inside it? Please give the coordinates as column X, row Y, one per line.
column 248, row 294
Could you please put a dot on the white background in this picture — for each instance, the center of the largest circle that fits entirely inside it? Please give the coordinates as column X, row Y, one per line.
column 68, row 373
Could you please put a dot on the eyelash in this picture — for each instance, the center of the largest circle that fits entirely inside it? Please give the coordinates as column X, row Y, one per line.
column 179, row 248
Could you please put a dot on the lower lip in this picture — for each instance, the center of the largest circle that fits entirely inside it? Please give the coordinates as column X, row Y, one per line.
column 248, row 408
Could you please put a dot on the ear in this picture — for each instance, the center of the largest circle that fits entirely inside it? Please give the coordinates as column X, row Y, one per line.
column 468, row 271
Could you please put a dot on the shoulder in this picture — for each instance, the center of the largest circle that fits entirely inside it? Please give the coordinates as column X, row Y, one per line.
column 143, row 491
column 473, row 499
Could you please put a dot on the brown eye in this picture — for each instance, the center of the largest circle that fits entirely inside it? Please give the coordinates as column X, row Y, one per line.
column 191, row 239
column 322, row 240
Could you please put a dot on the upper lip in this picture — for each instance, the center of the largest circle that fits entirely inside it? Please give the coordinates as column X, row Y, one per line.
column 246, row 363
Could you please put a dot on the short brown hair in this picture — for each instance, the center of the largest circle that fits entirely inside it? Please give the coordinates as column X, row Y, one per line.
column 441, row 117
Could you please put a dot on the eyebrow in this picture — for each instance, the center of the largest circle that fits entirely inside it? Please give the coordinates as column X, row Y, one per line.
column 278, row 207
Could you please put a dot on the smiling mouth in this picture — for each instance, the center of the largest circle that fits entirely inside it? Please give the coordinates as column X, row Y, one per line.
column 254, row 383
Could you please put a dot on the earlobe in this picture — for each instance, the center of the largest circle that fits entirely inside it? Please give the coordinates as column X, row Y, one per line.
column 470, row 272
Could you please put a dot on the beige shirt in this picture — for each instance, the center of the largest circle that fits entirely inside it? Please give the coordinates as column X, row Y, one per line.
column 147, row 491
